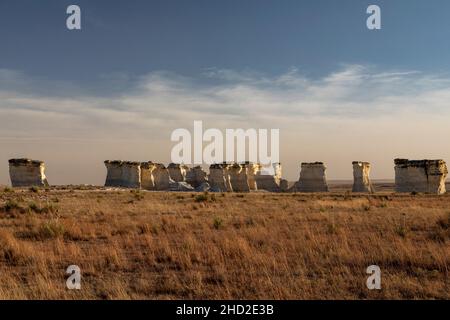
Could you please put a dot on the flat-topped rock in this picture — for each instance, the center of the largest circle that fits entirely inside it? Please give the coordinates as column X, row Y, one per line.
column 25, row 161
column 27, row 173
column 312, row 178
column 361, row 177
column 134, row 174
column 426, row 176
column 124, row 174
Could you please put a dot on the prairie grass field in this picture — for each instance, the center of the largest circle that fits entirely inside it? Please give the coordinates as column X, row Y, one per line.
column 132, row 244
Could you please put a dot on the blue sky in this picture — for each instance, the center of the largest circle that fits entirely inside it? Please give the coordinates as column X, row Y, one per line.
column 139, row 36
column 139, row 69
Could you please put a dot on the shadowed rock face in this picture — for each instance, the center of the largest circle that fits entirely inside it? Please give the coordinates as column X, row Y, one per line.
column 267, row 181
column 131, row 174
column 125, row 174
column 177, row 172
column 27, row 173
column 219, row 177
column 361, row 180
column 196, row 176
column 312, row 178
column 113, row 173
column 284, row 185
column 239, row 178
column 420, row 176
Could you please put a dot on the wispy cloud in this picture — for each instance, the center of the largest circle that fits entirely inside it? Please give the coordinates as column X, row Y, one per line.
column 356, row 109
column 225, row 96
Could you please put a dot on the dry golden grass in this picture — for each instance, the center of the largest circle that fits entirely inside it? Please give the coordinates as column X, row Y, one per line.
column 142, row 245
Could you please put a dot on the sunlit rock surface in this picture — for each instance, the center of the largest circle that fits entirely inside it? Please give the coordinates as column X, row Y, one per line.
column 361, row 177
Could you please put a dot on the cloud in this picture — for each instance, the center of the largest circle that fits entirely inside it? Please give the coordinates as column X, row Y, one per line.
column 224, row 96
column 346, row 115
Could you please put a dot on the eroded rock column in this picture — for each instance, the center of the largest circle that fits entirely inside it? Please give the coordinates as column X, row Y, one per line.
column 177, row 172
column 269, row 180
column 252, row 170
column 131, row 174
column 239, row 178
column 113, row 173
column 161, row 177
column 312, row 178
column 219, row 177
column 123, row 174
column 227, row 169
column 361, row 179
column 147, row 178
column 426, row 176
column 27, row 173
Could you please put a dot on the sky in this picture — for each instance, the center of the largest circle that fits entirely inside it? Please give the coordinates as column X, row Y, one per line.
column 137, row 70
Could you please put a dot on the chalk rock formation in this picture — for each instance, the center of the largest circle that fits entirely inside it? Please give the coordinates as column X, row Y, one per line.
column 361, row 180
column 177, row 172
column 420, row 176
column 161, row 177
column 125, row 174
column 219, row 177
column 269, row 180
column 252, row 170
column 196, row 176
column 239, row 178
column 131, row 174
column 27, row 173
column 312, row 178
column 147, row 178
column 227, row 168
column 113, row 173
